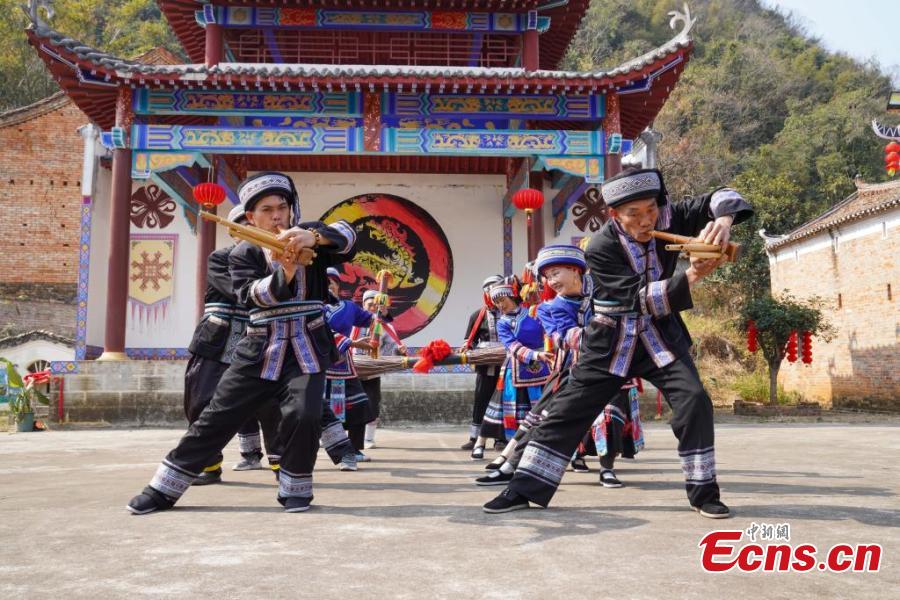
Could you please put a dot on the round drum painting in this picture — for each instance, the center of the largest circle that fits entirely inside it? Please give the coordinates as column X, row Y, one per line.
column 399, row 236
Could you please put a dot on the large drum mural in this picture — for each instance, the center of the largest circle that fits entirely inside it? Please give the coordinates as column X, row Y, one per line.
column 398, row 235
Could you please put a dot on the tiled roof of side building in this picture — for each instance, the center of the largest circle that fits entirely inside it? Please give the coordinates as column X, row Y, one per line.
column 869, row 199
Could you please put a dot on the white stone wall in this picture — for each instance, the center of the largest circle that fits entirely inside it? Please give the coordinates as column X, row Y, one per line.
column 27, row 353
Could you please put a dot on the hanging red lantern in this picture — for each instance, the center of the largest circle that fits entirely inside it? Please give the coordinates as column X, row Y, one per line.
column 791, row 349
column 891, row 157
column 892, row 147
column 806, row 347
column 752, row 341
column 529, row 200
column 209, row 194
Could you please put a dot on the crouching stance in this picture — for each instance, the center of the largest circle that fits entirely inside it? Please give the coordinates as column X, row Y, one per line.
column 636, row 331
column 284, row 353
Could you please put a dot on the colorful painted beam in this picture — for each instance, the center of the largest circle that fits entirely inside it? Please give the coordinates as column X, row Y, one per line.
column 227, row 103
column 349, row 140
column 536, row 107
column 386, row 121
column 492, row 143
column 365, row 20
column 239, row 140
column 589, row 168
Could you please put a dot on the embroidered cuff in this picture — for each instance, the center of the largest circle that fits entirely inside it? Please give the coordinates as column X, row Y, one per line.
column 573, row 338
column 342, row 342
column 261, row 292
column 342, row 235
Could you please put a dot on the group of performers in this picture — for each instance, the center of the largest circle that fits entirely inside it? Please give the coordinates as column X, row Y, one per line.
column 581, row 329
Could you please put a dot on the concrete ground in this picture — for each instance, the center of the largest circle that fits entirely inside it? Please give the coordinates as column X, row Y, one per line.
column 410, row 525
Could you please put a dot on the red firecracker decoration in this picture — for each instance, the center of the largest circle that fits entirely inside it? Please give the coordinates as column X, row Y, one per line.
column 529, row 200
column 806, row 348
column 209, row 194
column 791, row 349
column 752, row 331
column 892, row 158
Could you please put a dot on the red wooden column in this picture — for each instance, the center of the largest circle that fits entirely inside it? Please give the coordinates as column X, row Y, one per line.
column 612, row 124
column 215, row 44
column 530, row 50
column 206, row 245
column 119, row 229
column 536, row 234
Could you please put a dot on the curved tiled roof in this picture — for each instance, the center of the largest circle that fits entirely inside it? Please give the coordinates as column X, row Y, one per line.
column 34, row 110
column 91, row 76
column 869, row 199
column 565, row 17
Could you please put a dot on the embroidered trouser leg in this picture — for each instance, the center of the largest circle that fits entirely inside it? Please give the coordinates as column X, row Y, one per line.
column 372, row 388
column 200, row 380
column 237, row 398
column 535, row 416
column 269, row 418
column 249, row 439
column 334, row 437
column 583, row 397
column 692, row 424
column 485, row 384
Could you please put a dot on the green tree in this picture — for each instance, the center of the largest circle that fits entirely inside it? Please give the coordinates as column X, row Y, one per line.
column 775, row 320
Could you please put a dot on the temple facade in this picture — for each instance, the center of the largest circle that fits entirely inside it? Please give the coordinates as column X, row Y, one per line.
column 416, row 123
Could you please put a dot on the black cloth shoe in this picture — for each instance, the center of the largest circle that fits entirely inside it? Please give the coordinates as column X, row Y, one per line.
column 499, row 445
column 495, row 478
column 149, row 501
column 209, row 477
column 295, row 505
column 468, row 445
column 713, row 510
column 507, row 501
column 608, row 479
column 579, row 466
column 495, row 464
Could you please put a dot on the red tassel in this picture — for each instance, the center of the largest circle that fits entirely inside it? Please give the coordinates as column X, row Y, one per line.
column 752, row 341
column 435, row 351
column 547, row 293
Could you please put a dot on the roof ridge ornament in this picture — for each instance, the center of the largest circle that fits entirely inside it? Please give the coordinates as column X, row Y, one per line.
column 685, row 18
column 33, row 12
column 886, row 132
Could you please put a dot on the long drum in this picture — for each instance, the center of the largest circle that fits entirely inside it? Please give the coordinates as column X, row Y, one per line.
column 368, row 367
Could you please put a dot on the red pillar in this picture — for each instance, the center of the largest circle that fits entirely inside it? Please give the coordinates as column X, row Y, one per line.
column 536, row 233
column 612, row 124
column 119, row 230
column 214, row 44
column 206, row 244
column 117, row 269
column 530, row 51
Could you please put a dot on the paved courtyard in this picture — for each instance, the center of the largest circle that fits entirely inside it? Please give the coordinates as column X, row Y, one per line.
column 410, row 525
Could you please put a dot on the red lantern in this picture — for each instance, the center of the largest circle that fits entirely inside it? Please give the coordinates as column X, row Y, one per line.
column 791, row 349
column 209, row 194
column 752, row 342
column 806, row 347
column 529, row 200
column 892, row 147
column 891, row 157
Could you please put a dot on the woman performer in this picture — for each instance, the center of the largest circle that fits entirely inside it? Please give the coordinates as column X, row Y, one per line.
column 526, row 370
column 343, row 389
column 389, row 345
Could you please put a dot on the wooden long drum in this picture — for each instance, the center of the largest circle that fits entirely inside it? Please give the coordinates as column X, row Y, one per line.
column 367, row 367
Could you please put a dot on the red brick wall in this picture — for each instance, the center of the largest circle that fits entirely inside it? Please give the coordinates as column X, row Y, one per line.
column 861, row 365
column 40, row 192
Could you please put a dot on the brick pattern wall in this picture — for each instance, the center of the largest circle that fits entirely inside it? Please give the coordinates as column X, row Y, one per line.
column 860, row 367
column 40, row 191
